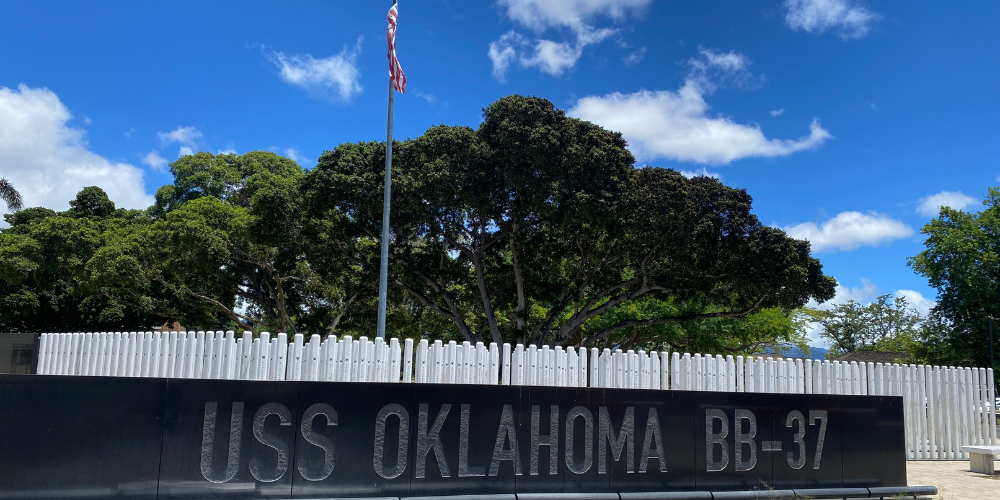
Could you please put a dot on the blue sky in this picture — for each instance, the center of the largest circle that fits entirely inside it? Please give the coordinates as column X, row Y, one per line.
column 849, row 121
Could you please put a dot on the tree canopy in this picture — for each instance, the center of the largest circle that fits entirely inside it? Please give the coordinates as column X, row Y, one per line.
column 224, row 244
column 536, row 226
column 532, row 227
column 962, row 261
column 886, row 324
column 92, row 201
column 44, row 255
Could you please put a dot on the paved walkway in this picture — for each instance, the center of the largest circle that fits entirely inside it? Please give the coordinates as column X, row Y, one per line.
column 953, row 479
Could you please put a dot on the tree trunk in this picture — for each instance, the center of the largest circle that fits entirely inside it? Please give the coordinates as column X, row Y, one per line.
column 484, row 294
column 340, row 314
column 283, row 320
column 519, row 313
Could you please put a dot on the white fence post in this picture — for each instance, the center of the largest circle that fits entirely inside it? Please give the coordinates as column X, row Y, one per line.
column 944, row 407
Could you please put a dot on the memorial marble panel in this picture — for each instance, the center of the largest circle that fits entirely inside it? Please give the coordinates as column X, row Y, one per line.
column 80, row 437
column 472, row 443
column 560, row 452
column 809, row 430
column 734, row 441
column 354, row 440
column 664, row 427
column 228, row 439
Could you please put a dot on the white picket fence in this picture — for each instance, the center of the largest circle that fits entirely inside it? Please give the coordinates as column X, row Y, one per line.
column 944, row 407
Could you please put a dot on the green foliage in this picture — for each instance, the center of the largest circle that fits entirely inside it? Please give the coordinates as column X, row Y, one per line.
column 10, row 196
column 227, row 177
column 28, row 215
column 92, row 201
column 962, row 261
column 43, row 283
column 932, row 344
column 225, row 247
column 887, row 324
column 536, row 227
column 533, row 227
column 770, row 330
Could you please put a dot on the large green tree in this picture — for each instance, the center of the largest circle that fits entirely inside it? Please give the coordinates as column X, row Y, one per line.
column 225, row 246
column 962, row 261
column 886, row 324
column 43, row 254
column 535, row 226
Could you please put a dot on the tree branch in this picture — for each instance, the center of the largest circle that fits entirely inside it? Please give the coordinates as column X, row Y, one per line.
column 340, row 314
column 601, row 334
column 240, row 320
column 519, row 313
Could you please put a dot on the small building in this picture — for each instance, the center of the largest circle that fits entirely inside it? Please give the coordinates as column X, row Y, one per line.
column 17, row 352
column 884, row 357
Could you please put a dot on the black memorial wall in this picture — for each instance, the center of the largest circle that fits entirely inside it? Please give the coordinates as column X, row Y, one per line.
column 96, row 437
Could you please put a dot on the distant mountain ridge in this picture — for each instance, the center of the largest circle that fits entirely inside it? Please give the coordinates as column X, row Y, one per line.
column 815, row 353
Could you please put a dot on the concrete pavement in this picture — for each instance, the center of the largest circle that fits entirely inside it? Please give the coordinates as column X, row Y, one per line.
column 954, row 480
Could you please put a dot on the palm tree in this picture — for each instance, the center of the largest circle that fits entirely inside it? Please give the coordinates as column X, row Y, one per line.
column 9, row 195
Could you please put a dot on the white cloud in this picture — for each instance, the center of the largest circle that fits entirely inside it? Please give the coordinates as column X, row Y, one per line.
column 818, row 16
column 575, row 14
column 49, row 162
column 229, row 149
column 777, row 112
column 712, row 69
column 931, row 205
column 503, row 52
column 732, row 61
column 430, row 98
column 181, row 135
column 842, row 294
column 635, row 57
column 154, row 160
column 676, row 125
column 814, row 332
column 128, row 133
column 864, row 295
column 186, row 137
column 549, row 56
column 337, row 74
column 703, row 172
column 553, row 57
column 590, row 36
column 916, row 300
column 850, row 231
column 293, row 154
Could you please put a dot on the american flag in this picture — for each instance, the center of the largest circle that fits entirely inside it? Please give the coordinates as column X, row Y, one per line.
column 395, row 71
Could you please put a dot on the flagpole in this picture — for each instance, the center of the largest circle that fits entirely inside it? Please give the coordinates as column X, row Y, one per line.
column 383, row 277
